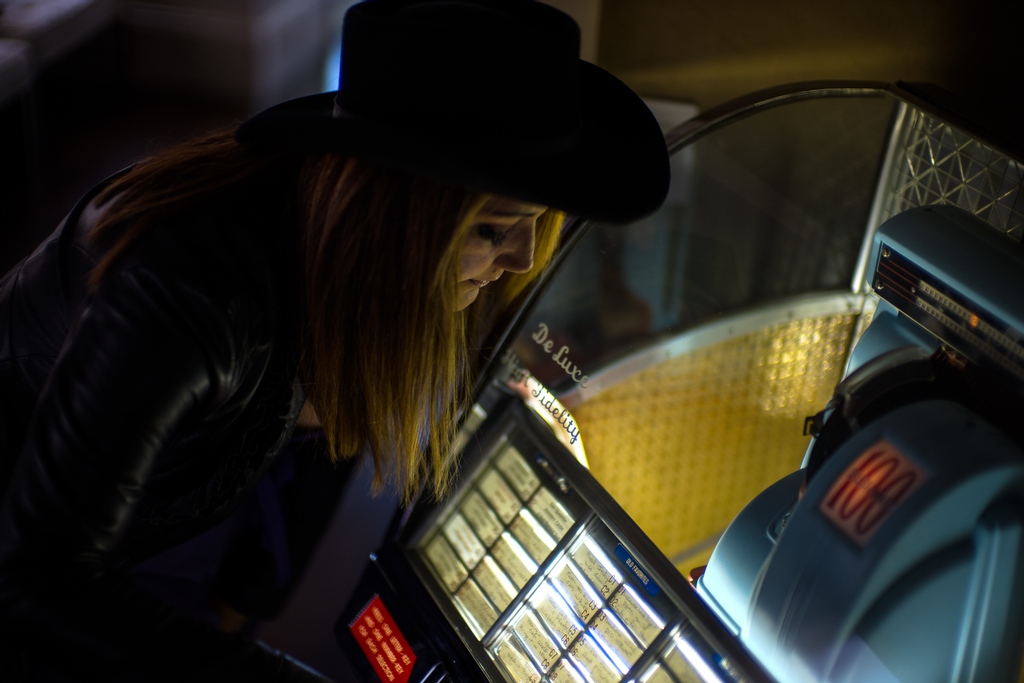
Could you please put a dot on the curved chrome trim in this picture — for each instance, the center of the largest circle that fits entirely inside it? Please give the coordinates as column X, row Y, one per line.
column 675, row 139
column 808, row 306
column 882, row 195
column 710, row 120
column 703, row 123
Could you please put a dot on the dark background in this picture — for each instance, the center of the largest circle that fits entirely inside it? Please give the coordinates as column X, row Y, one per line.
column 136, row 77
column 107, row 100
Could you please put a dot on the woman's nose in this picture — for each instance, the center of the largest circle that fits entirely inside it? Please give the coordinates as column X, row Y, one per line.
column 518, row 254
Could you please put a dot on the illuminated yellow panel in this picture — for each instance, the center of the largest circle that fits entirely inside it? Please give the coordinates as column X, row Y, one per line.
column 685, row 444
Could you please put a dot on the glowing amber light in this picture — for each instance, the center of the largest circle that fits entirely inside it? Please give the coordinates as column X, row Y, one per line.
column 683, row 445
column 974, row 321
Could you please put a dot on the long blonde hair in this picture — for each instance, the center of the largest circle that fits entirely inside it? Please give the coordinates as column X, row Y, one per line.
column 386, row 361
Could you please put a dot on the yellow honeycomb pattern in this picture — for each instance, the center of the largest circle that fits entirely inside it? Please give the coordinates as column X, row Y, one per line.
column 685, row 444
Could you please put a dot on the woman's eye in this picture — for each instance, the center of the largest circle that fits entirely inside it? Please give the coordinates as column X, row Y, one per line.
column 491, row 234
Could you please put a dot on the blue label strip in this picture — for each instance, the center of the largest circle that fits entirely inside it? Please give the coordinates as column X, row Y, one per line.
column 637, row 570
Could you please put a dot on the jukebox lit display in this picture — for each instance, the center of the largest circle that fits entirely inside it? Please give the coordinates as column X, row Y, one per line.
column 737, row 440
column 581, row 606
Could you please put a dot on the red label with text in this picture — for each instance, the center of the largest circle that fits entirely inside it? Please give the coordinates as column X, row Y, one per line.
column 382, row 643
column 870, row 489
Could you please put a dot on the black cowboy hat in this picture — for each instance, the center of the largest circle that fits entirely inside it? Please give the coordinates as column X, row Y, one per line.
column 490, row 94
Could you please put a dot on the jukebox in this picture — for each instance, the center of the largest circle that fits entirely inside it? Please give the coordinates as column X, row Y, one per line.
column 771, row 432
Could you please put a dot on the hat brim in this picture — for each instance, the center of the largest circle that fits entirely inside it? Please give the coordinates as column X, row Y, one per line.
column 616, row 169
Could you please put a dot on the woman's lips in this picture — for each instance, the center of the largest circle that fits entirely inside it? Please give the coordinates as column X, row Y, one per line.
column 480, row 283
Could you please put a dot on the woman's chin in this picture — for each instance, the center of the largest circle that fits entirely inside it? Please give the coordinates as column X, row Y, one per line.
column 467, row 297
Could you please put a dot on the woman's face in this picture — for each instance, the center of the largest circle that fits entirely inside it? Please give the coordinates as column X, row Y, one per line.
column 500, row 239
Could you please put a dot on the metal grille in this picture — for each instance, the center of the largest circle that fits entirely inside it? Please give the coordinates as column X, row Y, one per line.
column 941, row 164
column 685, row 444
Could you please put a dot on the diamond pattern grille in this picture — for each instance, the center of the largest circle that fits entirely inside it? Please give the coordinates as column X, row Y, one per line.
column 941, row 164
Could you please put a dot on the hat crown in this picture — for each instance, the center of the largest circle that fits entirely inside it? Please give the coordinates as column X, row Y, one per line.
column 476, row 70
column 489, row 94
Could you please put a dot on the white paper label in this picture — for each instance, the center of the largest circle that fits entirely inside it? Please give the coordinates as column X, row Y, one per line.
column 551, row 513
column 463, row 540
column 615, row 639
column 556, row 615
column 588, row 656
column 513, row 560
column 581, row 597
column 596, row 568
column 481, row 616
column 635, row 615
column 537, row 642
column 531, row 535
column 564, row 672
column 481, row 517
column 500, row 496
column 519, row 474
column 517, row 663
column 446, row 563
column 494, row 583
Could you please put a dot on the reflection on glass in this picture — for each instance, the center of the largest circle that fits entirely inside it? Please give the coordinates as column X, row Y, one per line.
column 768, row 207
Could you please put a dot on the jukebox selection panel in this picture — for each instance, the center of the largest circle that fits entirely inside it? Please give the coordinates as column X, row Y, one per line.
column 591, row 614
column 487, row 548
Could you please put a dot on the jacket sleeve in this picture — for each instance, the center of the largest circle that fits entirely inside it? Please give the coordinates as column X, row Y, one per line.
column 142, row 358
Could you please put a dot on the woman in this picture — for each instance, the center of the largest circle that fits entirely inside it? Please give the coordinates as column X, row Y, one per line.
column 328, row 266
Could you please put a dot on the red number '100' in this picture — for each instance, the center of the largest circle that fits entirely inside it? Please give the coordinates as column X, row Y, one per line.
column 870, row 489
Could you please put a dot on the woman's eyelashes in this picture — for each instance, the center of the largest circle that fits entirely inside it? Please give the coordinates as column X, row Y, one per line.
column 491, row 233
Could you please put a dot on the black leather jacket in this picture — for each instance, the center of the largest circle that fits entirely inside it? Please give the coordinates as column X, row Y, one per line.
column 135, row 416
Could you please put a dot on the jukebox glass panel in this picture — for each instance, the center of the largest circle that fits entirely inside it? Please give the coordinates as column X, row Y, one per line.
column 683, row 352
column 678, row 358
column 549, row 586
